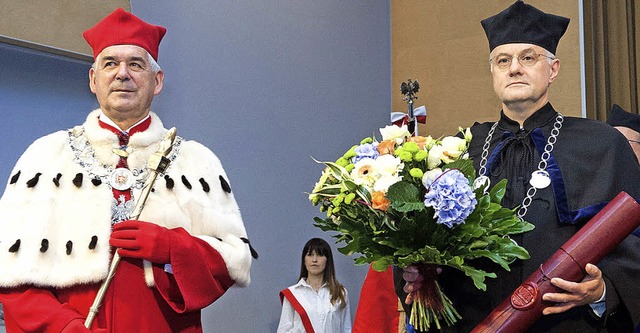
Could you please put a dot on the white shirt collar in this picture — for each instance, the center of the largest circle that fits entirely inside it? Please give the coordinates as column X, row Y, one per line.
column 304, row 283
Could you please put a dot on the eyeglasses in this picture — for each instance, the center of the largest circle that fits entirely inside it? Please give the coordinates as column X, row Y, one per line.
column 503, row 61
column 633, row 141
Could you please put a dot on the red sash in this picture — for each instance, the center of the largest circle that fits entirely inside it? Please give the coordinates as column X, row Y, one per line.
column 306, row 322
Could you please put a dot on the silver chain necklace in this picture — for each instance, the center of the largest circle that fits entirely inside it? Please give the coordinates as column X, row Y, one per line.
column 539, row 178
column 84, row 155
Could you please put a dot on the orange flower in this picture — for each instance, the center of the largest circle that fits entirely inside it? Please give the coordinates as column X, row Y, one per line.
column 386, row 147
column 379, row 201
column 419, row 140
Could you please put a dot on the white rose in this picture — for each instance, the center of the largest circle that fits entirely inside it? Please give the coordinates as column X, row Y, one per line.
column 395, row 133
column 429, row 142
column 435, row 157
column 453, row 148
column 388, row 165
column 385, row 181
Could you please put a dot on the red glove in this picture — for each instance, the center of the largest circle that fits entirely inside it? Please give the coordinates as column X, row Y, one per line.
column 144, row 240
column 76, row 326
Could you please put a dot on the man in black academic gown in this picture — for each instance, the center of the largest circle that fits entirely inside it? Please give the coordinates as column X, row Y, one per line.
column 588, row 164
column 628, row 124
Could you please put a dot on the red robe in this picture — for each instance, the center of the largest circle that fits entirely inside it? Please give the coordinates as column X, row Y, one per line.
column 172, row 306
column 39, row 296
column 378, row 306
column 129, row 305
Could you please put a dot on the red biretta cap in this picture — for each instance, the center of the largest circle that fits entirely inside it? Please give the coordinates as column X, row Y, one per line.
column 124, row 28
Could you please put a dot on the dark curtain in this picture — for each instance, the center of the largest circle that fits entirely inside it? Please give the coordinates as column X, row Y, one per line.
column 612, row 56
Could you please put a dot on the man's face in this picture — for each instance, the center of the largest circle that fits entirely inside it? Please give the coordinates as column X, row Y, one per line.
column 633, row 137
column 518, row 83
column 124, row 82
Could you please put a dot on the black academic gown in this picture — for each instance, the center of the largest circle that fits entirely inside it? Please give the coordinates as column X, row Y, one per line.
column 591, row 163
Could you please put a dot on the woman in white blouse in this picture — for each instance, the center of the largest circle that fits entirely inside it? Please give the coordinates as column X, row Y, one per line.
column 318, row 303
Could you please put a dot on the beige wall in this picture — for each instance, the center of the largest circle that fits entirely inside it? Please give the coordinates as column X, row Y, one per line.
column 441, row 44
column 54, row 23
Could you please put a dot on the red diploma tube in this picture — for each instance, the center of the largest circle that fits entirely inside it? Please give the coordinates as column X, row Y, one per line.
column 590, row 244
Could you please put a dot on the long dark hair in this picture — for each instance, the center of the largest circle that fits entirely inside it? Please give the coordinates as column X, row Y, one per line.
column 322, row 248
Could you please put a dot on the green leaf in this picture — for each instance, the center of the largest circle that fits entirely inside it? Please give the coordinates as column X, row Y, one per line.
column 483, row 203
column 403, row 191
column 350, row 185
column 405, row 207
column 389, row 223
column 338, row 171
column 382, row 264
column 493, row 256
column 465, row 166
column 478, row 276
column 478, row 244
column 405, row 197
column 498, row 191
column 329, row 190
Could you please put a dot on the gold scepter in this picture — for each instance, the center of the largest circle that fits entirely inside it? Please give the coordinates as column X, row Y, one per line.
column 158, row 163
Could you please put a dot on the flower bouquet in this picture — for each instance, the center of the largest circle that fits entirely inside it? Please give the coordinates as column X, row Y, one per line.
column 408, row 200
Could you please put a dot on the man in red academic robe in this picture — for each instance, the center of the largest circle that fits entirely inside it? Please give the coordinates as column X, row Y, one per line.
column 68, row 202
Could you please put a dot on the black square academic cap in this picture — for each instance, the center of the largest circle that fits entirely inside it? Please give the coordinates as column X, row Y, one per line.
column 619, row 117
column 522, row 23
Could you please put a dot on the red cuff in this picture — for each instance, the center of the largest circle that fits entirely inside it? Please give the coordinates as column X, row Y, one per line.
column 200, row 275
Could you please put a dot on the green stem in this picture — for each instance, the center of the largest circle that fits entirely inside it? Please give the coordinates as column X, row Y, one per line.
column 423, row 314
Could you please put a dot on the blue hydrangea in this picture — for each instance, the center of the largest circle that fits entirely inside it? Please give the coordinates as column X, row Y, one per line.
column 367, row 150
column 451, row 197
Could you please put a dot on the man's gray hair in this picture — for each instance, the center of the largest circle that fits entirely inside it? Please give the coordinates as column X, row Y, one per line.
column 155, row 67
column 550, row 57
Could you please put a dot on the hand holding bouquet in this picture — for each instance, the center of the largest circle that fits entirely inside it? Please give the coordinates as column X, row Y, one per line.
column 407, row 200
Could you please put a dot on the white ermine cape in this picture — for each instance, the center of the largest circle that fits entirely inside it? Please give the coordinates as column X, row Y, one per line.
column 56, row 210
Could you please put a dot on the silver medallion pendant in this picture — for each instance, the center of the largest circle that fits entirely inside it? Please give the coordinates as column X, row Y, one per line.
column 121, row 179
column 540, row 179
column 482, row 182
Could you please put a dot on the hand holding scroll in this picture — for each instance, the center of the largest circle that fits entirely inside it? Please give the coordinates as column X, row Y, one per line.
column 587, row 291
column 572, row 261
